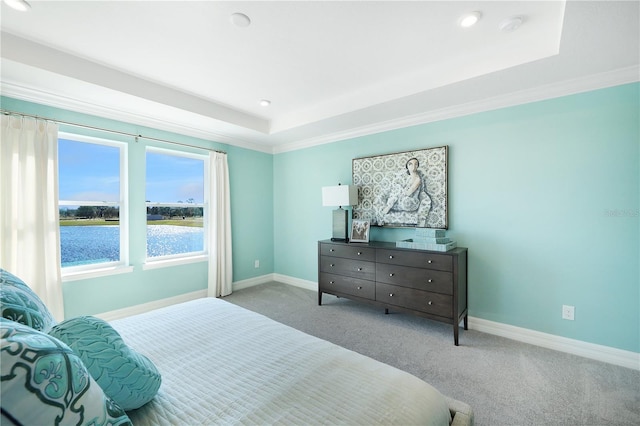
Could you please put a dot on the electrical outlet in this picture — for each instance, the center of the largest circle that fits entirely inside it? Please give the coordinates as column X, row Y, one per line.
column 256, row 263
column 568, row 312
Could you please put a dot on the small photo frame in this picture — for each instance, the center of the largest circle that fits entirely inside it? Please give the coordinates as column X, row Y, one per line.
column 359, row 231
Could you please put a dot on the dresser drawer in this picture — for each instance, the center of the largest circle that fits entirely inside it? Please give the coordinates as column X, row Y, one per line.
column 418, row 278
column 348, row 251
column 419, row 300
column 330, row 283
column 352, row 268
column 418, row 259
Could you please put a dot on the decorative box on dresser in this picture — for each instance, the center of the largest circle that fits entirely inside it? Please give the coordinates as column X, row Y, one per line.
column 426, row 283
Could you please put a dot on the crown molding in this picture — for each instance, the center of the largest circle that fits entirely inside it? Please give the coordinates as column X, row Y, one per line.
column 549, row 91
column 39, row 96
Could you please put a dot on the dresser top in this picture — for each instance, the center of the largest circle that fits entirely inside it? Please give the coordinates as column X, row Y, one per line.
column 392, row 245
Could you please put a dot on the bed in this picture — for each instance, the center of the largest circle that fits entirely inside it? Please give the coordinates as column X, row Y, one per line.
column 202, row 362
column 223, row 364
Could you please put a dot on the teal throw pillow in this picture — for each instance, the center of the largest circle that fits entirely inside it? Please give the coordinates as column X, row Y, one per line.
column 126, row 376
column 20, row 304
column 44, row 383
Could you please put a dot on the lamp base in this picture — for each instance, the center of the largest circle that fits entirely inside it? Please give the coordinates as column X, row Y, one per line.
column 340, row 225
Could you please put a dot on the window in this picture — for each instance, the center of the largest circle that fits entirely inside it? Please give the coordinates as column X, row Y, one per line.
column 92, row 188
column 175, row 197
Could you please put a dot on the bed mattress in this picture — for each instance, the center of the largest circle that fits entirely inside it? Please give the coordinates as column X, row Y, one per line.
column 223, row 364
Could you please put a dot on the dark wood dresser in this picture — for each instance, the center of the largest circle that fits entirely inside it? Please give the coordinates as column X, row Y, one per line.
column 426, row 283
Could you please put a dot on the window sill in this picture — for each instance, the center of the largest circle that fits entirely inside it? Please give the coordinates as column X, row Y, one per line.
column 96, row 273
column 164, row 263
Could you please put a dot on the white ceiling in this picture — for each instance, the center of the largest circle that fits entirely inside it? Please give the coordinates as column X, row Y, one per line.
column 330, row 69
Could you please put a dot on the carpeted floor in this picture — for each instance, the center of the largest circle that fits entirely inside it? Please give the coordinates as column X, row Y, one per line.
column 505, row 382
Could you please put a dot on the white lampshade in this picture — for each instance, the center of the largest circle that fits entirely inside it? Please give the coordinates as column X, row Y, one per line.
column 340, row 195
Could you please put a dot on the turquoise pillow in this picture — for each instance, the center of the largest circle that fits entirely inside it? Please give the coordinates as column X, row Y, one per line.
column 126, row 376
column 20, row 304
column 44, row 383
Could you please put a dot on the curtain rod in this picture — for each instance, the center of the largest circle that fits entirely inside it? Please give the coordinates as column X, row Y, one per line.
column 68, row 123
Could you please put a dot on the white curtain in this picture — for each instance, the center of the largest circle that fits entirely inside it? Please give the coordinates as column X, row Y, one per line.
column 29, row 230
column 220, row 267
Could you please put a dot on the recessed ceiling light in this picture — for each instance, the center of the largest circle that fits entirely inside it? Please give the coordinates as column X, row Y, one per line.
column 240, row 20
column 20, row 5
column 469, row 19
column 511, row 24
column 265, row 102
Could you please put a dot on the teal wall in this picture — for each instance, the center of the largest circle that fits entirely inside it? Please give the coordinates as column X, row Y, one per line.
column 544, row 195
column 251, row 186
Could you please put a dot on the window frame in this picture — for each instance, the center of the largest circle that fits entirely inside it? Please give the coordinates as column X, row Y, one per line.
column 71, row 273
column 189, row 257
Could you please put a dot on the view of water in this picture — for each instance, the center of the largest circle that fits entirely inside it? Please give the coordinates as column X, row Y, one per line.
column 82, row 245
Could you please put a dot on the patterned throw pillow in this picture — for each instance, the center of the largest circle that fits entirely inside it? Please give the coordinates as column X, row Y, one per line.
column 20, row 304
column 44, row 383
column 126, row 376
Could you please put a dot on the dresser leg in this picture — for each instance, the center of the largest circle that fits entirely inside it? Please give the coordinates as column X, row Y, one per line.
column 319, row 298
column 386, row 311
column 466, row 322
column 455, row 334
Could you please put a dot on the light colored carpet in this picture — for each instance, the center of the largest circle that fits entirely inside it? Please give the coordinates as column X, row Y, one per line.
column 505, row 382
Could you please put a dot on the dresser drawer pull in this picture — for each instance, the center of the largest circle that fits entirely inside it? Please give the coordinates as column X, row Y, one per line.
column 359, row 288
column 359, row 253
column 429, row 281
column 391, row 274
column 332, row 282
column 332, row 264
column 429, row 261
column 390, row 294
column 390, row 257
column 359, row 269
column 429, row 302
column 332, row 249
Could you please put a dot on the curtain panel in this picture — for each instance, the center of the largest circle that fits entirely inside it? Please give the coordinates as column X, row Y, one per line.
column 219, row 218
column 29, row 228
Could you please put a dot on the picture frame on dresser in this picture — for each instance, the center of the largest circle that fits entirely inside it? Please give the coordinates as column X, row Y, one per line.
column 359, row 231
column 403, row 189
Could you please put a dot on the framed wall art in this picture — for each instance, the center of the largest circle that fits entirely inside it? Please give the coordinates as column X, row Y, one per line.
column 405, row 189
column 359, row 231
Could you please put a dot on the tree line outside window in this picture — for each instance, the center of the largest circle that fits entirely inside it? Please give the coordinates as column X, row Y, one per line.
column 171, row 212
column 103, row 212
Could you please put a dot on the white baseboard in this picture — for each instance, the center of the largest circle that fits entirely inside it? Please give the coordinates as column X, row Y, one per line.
column 602, row 353
column 239, row 285
column 285, row 279
column 296, row 282
column 156, row 304
column 576, row 347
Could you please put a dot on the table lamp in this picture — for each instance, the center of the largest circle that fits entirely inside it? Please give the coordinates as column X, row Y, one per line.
column 341, row 195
